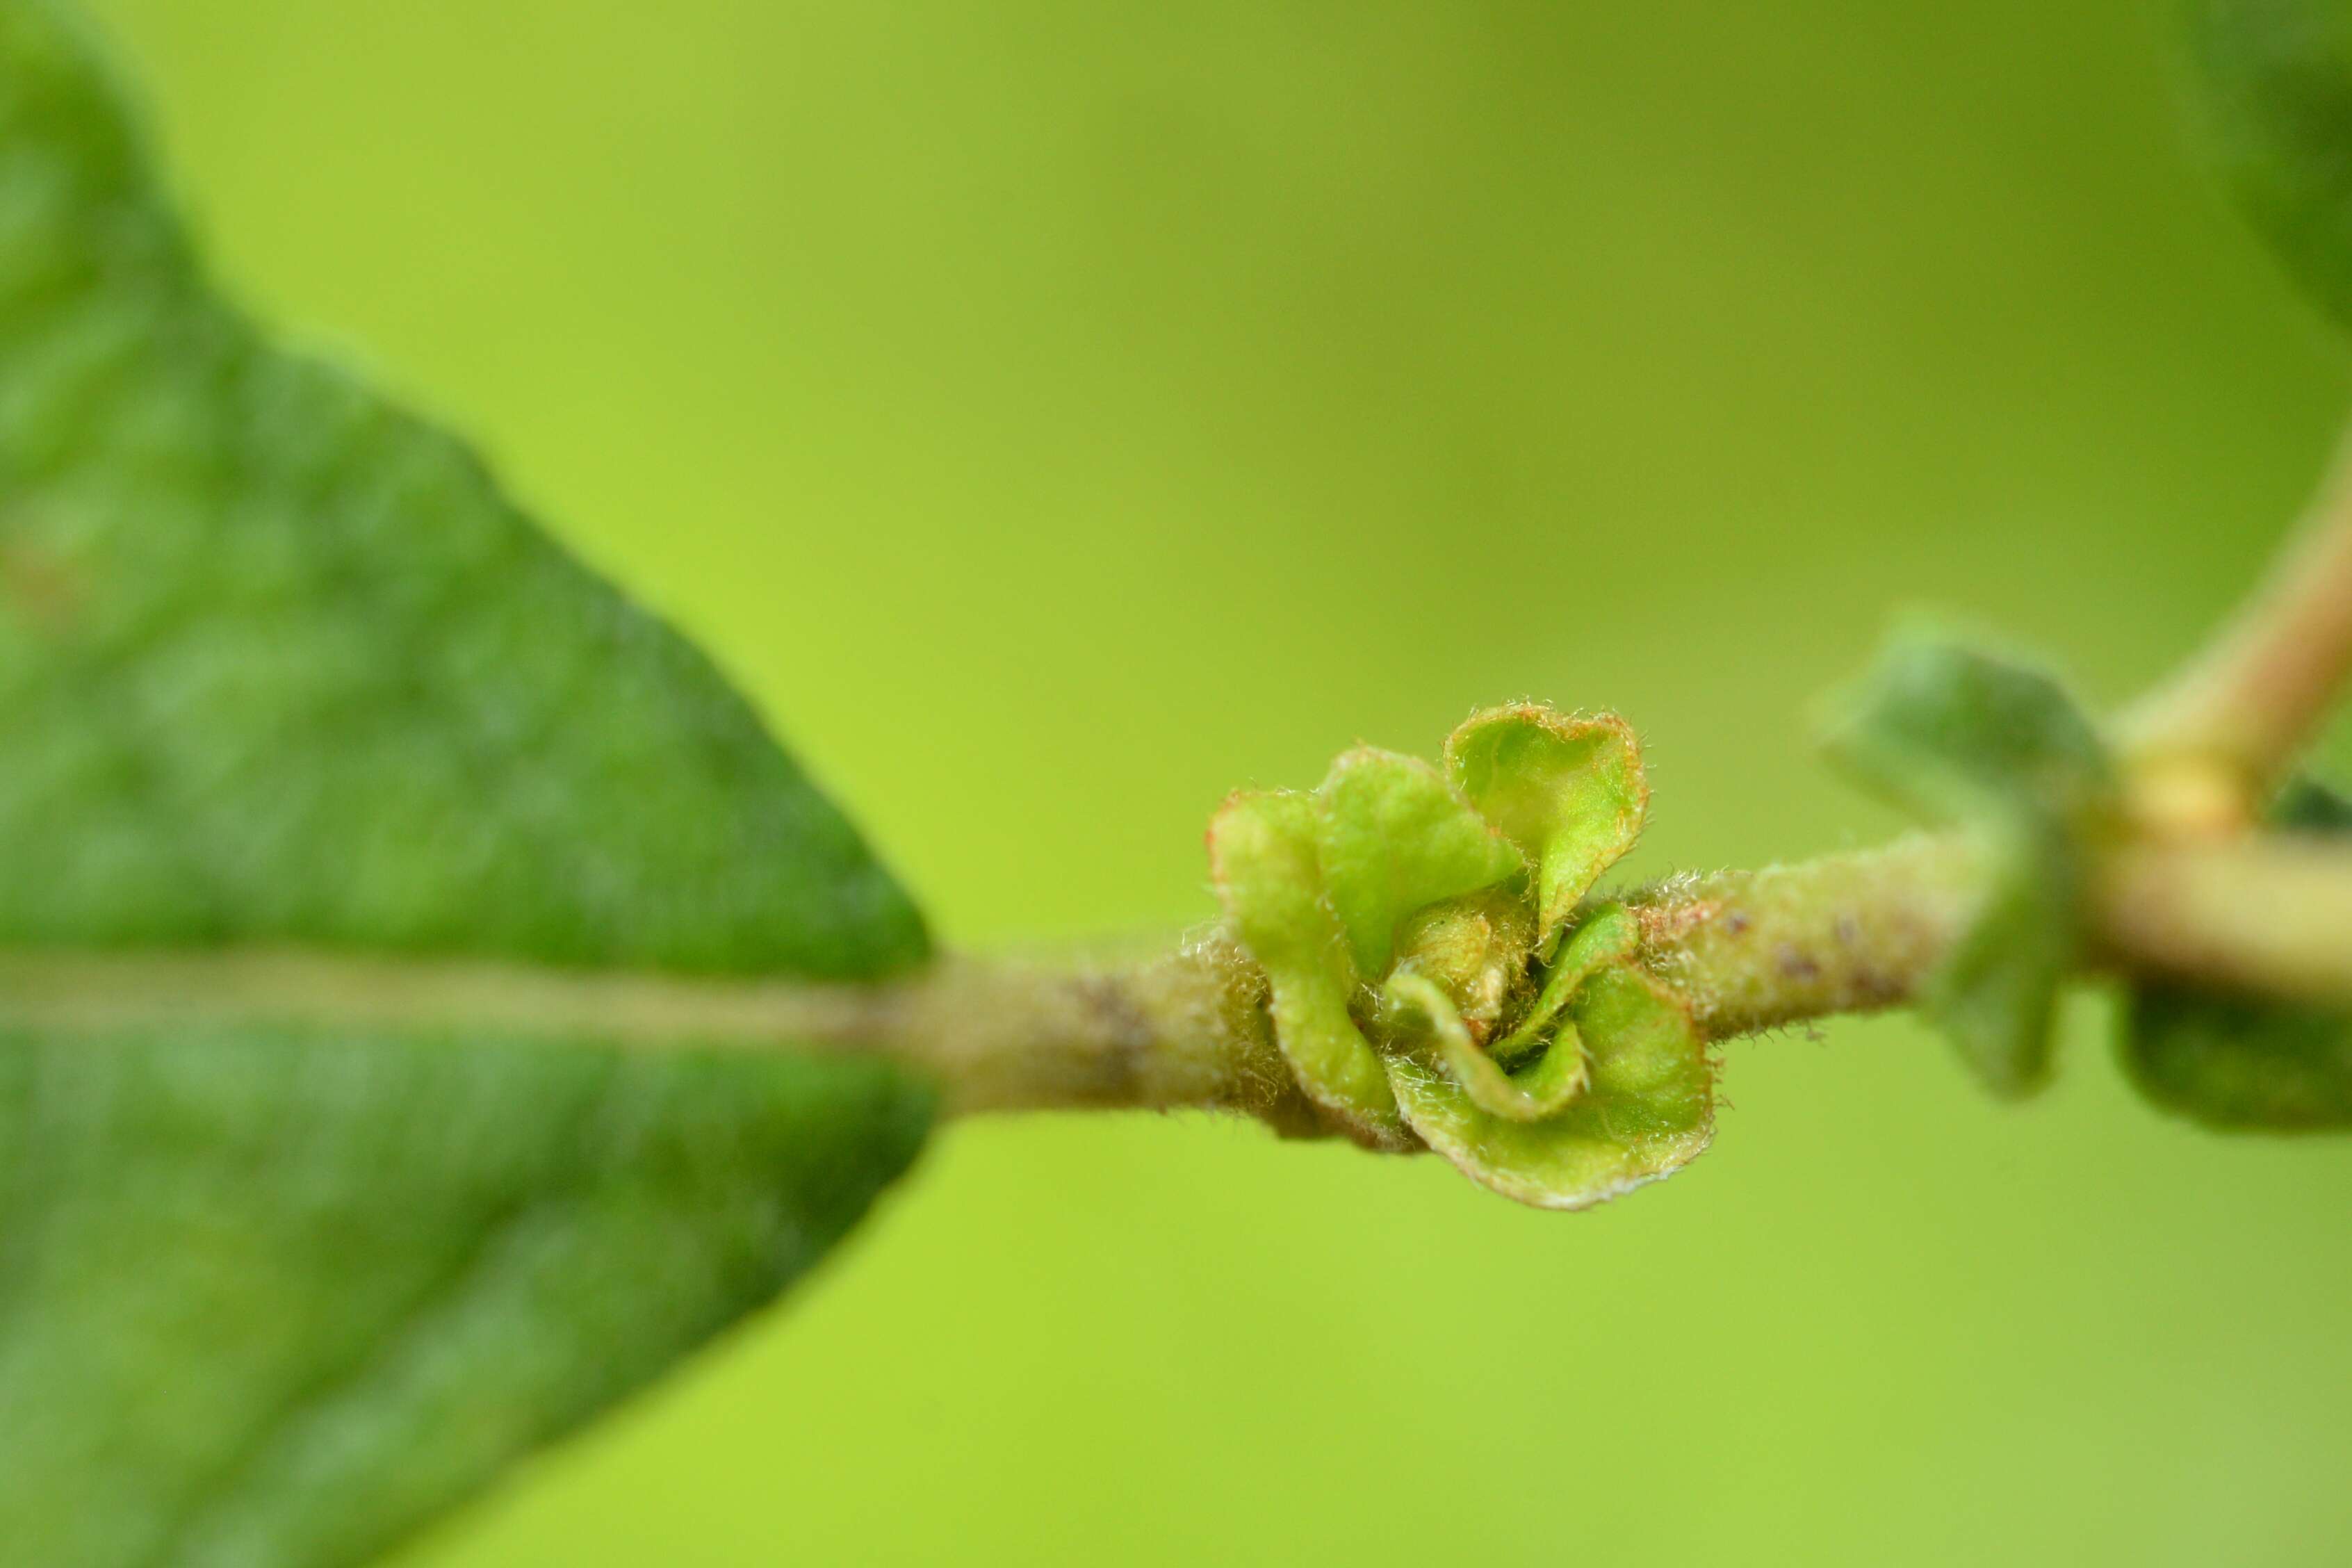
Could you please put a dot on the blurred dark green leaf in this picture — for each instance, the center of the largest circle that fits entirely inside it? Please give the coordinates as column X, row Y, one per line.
column 270, row 1299
column 2242, row 1062
column 280, row 665
column 277, row 661
column 2277, row 75
column 1960, row 737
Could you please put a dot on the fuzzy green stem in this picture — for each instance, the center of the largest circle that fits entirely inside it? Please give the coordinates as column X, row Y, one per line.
column 1187, row 1027
column 1750, row 949
column 1843, row 933
column 1853, row 933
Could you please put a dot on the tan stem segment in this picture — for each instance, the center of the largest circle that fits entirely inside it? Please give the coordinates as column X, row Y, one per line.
column 2210, row 743
column 2270, row 916
column 1751, row 950
column 1187, row 1027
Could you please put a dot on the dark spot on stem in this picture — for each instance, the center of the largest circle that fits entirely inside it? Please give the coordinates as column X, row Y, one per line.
column 1795, row 964
column 1871, row 988
column 1114, row 1018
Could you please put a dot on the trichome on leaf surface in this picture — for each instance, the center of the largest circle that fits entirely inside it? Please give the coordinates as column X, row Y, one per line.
column 431, row 1003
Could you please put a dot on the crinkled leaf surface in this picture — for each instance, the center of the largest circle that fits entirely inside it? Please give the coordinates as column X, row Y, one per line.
column 1264, row 851
column 1568, row 790
column 1962, row 738
column 279, row 666
column 270, row 1298
column 1648, row 1107
column 2242, row 1062
column 2277, row 75
column 1396, row 837
column 1402, row 929
column 278, row 661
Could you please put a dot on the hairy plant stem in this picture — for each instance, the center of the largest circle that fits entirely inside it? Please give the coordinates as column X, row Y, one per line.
column 1843, row 933
column 1750, row 949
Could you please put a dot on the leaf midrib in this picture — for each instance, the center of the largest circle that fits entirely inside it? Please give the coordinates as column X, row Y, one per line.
column 96, row 992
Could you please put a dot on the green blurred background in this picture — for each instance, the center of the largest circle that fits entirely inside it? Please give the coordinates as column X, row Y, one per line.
column 1058, row 415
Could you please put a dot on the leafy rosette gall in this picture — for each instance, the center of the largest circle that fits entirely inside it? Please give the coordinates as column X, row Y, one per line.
column 1437, row 977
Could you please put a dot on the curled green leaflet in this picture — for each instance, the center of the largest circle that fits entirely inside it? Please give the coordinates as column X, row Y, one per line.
column 1436, row 976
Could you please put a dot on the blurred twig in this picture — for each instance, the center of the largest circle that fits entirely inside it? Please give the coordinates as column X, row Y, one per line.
column 2208, row 745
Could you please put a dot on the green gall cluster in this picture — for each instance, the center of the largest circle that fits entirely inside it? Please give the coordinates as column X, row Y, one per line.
column 1437, row 977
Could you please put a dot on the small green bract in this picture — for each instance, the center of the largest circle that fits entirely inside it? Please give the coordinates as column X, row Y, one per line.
column 1993, row 747
column 1438, row 978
